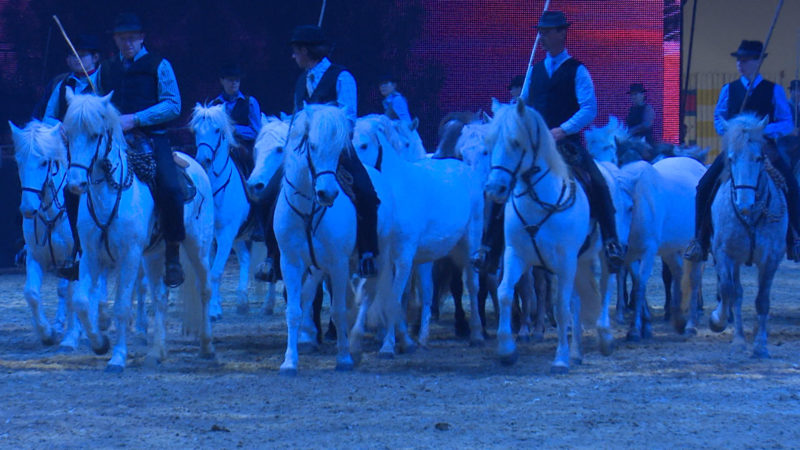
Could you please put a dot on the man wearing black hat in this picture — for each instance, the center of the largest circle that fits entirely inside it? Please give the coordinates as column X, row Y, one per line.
column 324, row 82
column 88, row 48
column 146, row 94
column 515, row 87
column 395, row 105
column 765, row 99
column 562, row 91
column 641, row 114
column 243, row 109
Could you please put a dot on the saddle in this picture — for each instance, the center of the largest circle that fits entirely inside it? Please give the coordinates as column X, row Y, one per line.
column 143, row 163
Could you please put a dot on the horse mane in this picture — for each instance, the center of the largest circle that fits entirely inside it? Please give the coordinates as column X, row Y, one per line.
column 215, row 115
column 742, row 132
column 90, row 114
column 274, row 128
column 327, row 123
column 39, row 140
column 507, row 120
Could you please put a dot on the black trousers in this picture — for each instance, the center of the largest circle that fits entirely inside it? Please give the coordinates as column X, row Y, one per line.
column 366, row 203
column 712, row 179
column 600, row 204
column 265, row 210
column 169, row 196
column 71, row 202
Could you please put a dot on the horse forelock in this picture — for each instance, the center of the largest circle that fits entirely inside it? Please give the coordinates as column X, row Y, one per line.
column 39, row 141
column 744, row 134
column 328, row 125
column 216, row 116
column 530, row 126
column 90, row 115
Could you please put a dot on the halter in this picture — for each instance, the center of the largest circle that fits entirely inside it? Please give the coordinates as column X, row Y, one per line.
column 49, row 223
column 304, row 147
column 125, row 181
column 214, row 151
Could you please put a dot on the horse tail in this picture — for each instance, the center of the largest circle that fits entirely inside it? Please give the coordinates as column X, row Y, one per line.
column 587, row 290
column 190, row 297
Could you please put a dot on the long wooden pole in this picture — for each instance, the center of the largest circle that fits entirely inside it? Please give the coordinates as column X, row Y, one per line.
column 763, row 53
column 75, row 52
column 322, row 13
column 526, row 85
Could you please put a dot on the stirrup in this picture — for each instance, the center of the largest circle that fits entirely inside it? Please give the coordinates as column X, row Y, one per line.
column 615, row 255
column 366, row 266
column 695, row 252
column 266, row 271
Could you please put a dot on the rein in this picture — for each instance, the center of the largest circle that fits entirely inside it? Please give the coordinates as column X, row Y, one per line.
column 49, row 223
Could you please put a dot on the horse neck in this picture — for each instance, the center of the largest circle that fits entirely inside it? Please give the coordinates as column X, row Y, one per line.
column 221, row 165
column 546, row 184
column 297, row 183
column 56, row 193
column 103, row 194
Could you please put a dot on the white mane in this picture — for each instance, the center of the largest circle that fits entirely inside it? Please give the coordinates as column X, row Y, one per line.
column 213, row 115
column 40, row 141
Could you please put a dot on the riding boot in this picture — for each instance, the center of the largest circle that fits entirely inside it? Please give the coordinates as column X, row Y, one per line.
column 173, row 275
column 792, row 200
column 601, row 206
column 697, row 249
column 69, row 270
column 268, row 271
column 366, row 204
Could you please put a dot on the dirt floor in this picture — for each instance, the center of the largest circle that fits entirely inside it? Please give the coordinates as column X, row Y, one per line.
column 669, row 391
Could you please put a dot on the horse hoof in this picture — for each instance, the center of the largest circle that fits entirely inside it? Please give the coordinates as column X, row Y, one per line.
column 477, row 343
column 633, row 336
column 760, row 353
column 330, row 335
column 462, row 330
column 208, row 356
column 242, row 309
column 606, row 344
column 288, row 372
column 559, row 370
column 385, row 355
column 537, row 337
column 307, row 348
column 50, row 340
column 647, row 331
column 526, row 338
column 268, row 311
column 679, row 325
column 357, row 358
column 509, row 360
column 577, row 360
column 216, row 318
column 104, row 347
column 344, row 366
column 690, row 331
column 114, row 368
column 716, row 327
column 152, row 362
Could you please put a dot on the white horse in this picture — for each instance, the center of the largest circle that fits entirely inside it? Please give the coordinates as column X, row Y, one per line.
column 41, row 158
column 115, row 221
column 602, row 142
column 316, row 227
column 546, row 223
column 213, row 134
column 406, row 139
column 661, row 223
column 750, row 223
column 439, row 212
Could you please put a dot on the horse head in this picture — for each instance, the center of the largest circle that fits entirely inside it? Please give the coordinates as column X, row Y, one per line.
column 518, row 140
column 213, row 135
column 742, row 143
column 471, row 146
column 602, row 143
column 372, row 137
column 406, row 140
column 92, row 125
column 268, row 154
column 319, row 135
column 41, row 158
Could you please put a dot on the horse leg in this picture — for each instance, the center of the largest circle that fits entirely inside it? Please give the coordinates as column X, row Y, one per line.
column 514, row 266
column 566, row 281
column 726, row 288
column 85, row 302
column 338, row 291
column 126, row 278
column 668, row 278
column 141, row 304
column 605, row 336
column 622, row 295
column 153, row 268
column 402, row 272
column 524, row 291
column 311, row 297
column 293, row 281
column 542, row 291
column 462, row 327
column 33, row 286
column 224, row 239
column 72, row 333
column 766, row 274
column 425, row 277
column 243, row 255
column 61, row 312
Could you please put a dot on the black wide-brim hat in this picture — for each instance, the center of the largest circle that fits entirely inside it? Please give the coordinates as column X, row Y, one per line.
column 636, row 88
column 231, row 70
column 387, row 78
column 750, row 49
column 517, row 81
column 308, row 34
column 88, row 42
column 553, row 19
column 126, row 22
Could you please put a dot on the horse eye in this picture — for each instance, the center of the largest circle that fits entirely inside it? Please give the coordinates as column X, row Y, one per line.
column 279, row 149
column 363, row 146
column 43, row 164
column 216, row 131
column 485, row 152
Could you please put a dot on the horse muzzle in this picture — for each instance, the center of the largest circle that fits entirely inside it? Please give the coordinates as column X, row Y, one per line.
column 496, row 192
column 27, row 211
column 326, row 198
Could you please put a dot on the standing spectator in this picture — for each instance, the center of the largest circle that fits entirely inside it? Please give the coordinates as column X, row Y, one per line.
column 641, row 114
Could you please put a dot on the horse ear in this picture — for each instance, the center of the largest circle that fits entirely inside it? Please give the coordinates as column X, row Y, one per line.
column 495, row 105
column 763, row 123
column 414, row 124
column 15, row 130
column 264, row 120
column 617, row 141
column 70, row 94
column 107, row 98
column 284, row 116
column 724, row 124
column 520, row 107
column 56, row 130
column 485, row 117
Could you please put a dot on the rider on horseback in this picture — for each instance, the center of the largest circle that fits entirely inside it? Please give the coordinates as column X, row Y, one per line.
column 766, row 100
column 563, row 93
column 146, row 94
column 324, row 82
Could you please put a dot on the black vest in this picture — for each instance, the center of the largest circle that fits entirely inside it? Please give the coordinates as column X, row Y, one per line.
column 240, row 114
column 325, row 91
column 134, row 89
column 759, row 102
column 554, row 98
